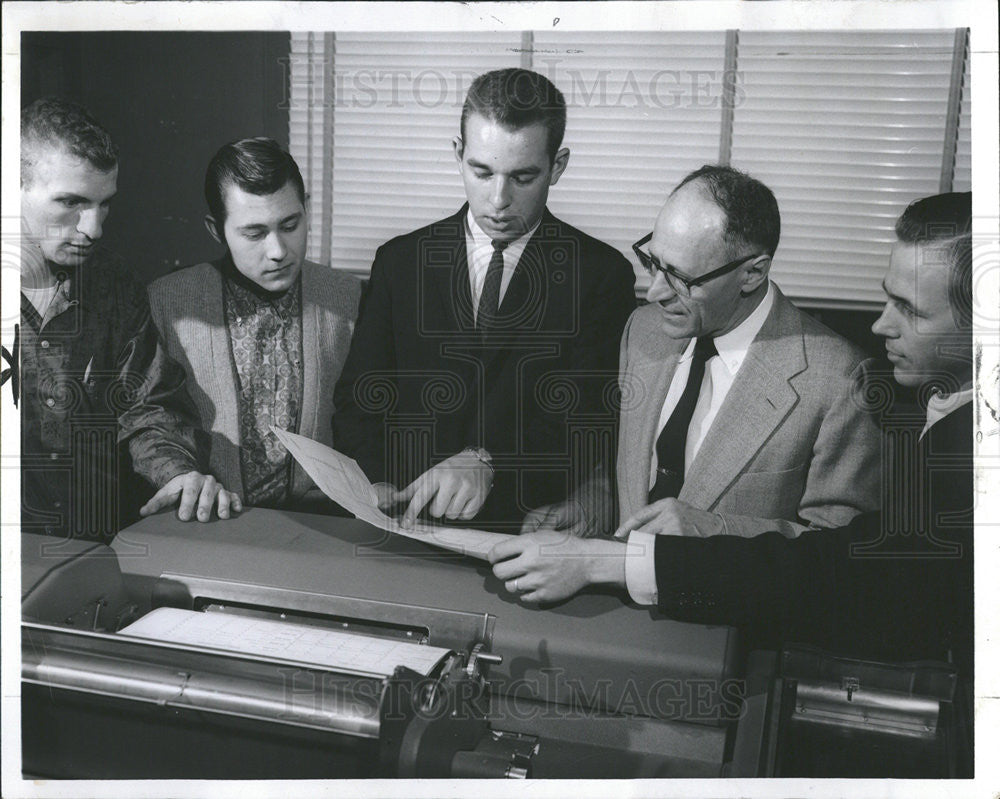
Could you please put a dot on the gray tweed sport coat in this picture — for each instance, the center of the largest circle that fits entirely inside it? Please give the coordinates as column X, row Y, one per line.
column 187, row 309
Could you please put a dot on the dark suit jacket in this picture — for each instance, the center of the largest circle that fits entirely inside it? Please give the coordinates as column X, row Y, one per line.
column 421, row 383
column 894, row 584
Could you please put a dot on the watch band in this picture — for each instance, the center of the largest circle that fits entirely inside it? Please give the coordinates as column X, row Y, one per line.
column 482, row 455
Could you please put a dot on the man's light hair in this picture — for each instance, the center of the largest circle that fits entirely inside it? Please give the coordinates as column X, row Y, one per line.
column 61, row 124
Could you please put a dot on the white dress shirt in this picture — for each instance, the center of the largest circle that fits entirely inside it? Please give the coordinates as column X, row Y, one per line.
column 720, row 373
column 479, row 251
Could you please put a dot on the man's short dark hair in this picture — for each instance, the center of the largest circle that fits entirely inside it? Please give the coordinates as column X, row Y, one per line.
column 515, row 98
column 945, row 219
column 258, row 166
column 62, row 124
column 751, row 211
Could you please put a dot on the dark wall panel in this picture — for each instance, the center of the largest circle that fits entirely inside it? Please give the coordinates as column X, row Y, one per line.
column 170, row 100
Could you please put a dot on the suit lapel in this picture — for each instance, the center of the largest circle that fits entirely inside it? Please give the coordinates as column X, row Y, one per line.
column 648, row 376
column 310, row 351
column 443, row 262
column 227, row 385
column 758, row 401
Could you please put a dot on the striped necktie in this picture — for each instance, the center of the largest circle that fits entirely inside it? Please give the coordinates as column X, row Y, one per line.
column 489, row 300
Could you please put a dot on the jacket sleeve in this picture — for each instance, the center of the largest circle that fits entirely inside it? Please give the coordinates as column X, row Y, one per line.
column 367, row 386
column 157, row 419
column 827, row 587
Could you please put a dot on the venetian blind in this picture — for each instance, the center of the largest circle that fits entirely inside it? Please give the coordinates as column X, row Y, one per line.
column 846, row 128
column 396, row 104
column 643, row 110
column 309, row 123
column 963, row 150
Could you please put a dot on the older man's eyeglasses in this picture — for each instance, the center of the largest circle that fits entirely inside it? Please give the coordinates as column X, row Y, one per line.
column 677, row 280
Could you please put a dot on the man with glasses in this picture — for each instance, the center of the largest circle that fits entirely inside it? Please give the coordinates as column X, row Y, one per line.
column 892, row 584
column 739, row 412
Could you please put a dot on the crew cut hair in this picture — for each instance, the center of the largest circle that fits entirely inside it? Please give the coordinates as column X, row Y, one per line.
column 58, row 123
column 752, row 216
column 515, row 98
column 945, row 220
column 257, row 166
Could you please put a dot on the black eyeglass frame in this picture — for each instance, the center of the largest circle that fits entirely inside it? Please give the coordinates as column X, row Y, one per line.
column 689, row 283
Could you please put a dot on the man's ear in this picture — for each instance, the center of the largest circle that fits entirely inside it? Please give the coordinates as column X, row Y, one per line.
column 559, row 165
column 755, row 273
column 213, row 229
column 459, row 147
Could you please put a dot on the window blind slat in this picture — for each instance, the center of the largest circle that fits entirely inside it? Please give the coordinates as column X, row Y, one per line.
column 887, row 82
column 845, row 126
column 963, row 148
column 657, row 118
column 399, row 102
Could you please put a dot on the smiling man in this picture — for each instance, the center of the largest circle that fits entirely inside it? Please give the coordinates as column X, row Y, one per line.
column 893, row 584
column 95, row 380
column 262, row 333
column 743, row 413
column 477, row 383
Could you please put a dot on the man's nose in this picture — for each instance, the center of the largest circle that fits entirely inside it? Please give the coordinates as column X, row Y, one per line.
column 500, row 194
column 90, row 223
column 276, row 249
column 659, row 289
column 883, row 326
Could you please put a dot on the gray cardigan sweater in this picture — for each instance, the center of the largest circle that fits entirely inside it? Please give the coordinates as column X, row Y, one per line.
column 187, row 310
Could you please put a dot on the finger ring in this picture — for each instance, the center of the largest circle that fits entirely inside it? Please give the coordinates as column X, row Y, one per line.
column 515, row 587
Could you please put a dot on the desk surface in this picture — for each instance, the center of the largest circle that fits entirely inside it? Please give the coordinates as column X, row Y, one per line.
column 594, row 642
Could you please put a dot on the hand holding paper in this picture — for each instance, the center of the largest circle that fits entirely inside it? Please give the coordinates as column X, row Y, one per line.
column 342, row 480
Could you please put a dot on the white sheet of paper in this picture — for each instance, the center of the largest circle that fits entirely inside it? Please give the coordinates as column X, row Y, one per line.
column 342, row 480
column 333, row 649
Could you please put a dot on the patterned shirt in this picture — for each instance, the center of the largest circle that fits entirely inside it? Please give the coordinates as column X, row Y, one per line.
column 94, row 378
column 265, row 334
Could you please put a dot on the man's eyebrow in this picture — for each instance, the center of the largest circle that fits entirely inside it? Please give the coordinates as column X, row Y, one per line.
column 528, row 170
column 253, row 226
column 291, row 218
column 671, row 268
column 895, row 297
column 79, row 198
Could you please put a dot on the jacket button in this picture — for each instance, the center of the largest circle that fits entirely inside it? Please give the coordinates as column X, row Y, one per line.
column 45, row 345
column 50, row 402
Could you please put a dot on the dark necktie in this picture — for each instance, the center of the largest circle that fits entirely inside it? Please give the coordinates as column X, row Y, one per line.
column 489, row 300
column 673, row 438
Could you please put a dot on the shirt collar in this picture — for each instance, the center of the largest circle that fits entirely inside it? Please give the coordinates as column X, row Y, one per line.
column 247, row 287
column 66, row 296
column 480, row 239
column 734, row 345
column 940, row 405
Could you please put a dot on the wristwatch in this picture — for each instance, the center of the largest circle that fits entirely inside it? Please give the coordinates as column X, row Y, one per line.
column 482, row 455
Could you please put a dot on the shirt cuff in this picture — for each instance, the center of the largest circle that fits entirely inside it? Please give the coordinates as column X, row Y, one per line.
column 640, row 567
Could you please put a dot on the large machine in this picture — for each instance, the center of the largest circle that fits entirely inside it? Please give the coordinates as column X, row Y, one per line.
column 284, row 645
